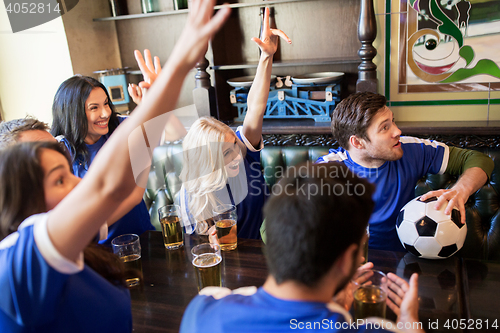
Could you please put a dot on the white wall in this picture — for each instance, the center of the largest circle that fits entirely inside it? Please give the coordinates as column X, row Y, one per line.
column 33, row 63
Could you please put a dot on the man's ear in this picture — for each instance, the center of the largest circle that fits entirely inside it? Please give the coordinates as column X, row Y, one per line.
column 345, row 262
column 356, row 142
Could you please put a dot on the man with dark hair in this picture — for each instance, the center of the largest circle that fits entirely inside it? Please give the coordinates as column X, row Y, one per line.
column 372, row 147
column 23, row 130
column 312, row 254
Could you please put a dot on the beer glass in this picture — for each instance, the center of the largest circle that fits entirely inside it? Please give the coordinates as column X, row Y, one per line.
column 205, row 248
column 207, row 265
column 171, row 228
column 370, row 294
column 225, row 218
column 128, row 248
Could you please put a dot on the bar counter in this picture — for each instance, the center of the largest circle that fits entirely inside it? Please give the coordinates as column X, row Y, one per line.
column 449, row 289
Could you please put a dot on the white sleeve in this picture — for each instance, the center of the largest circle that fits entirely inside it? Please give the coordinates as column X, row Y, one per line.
column 49, row 252
column 247, row 143
column 446, row 158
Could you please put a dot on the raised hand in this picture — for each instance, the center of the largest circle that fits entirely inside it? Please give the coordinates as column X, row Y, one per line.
column 268, row 43
column 135, row 93
column 150, row 70
column 200, row 27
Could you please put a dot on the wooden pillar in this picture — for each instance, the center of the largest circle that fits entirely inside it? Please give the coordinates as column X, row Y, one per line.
column 204, row 93
column 367, row 32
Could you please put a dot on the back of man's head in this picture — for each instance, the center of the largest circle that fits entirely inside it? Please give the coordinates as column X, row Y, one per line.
column 316, row 212
column 11, row 131
column 353, row 115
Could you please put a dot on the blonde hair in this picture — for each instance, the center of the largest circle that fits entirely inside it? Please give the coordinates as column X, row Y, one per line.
column 203, row 170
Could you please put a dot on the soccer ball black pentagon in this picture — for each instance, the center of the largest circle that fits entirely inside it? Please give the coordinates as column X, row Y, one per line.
column 430, row 233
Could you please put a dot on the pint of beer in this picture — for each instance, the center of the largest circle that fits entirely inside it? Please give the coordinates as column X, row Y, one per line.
column 171, row 228
column 369, row 301
column 133, row 267
column 207, row 270
column 225, row 218
column 128, row 248
column 205, row 248
column 370, row 294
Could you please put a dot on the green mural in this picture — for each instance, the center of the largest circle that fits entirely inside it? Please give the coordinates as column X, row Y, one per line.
column 438, row 50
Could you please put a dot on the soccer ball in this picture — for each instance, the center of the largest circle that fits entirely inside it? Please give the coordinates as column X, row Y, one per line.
column 430, row 233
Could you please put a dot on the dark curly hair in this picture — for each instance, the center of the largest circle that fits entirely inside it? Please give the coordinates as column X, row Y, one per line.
column 315, row 214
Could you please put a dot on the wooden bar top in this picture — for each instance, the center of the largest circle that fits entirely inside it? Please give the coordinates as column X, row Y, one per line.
column 170, row 284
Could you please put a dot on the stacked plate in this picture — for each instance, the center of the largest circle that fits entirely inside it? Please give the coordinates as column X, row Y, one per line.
column 317, row 78
column 246, row 81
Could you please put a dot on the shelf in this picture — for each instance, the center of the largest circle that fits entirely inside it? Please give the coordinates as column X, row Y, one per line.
column 184, row 11
column 291, row 63
column 309, row 126
column 449, row 127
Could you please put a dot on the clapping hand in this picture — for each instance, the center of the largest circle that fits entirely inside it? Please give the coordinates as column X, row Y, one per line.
column 402, row 298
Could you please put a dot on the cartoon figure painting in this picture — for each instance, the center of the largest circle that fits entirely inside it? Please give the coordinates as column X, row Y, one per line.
column 441, row 47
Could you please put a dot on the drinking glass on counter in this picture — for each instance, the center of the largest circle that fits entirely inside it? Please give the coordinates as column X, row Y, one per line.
column 225, row 218
column 128, row 248
column 370, row 294
column 205, row 248
column 207, row 265
column 171, row 228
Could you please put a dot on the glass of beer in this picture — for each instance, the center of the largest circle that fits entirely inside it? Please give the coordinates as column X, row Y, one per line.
column 207, row 265
column 205, row 248
column 128, row 248
column 225, row 218
column 171, row 228
column 370, row 294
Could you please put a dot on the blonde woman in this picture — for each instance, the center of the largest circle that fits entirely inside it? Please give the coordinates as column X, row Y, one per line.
column 223, row 167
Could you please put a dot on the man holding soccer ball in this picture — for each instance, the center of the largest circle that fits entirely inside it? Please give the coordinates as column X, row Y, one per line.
column 371, row 146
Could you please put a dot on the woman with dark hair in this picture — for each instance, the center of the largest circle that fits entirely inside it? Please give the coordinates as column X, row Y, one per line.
column 83, row 119
column 83, row 114
column 46, row 287
column 44, row 169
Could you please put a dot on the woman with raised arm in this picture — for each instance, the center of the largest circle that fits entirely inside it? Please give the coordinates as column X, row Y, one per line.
column 45, row 285
column 223, row 167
